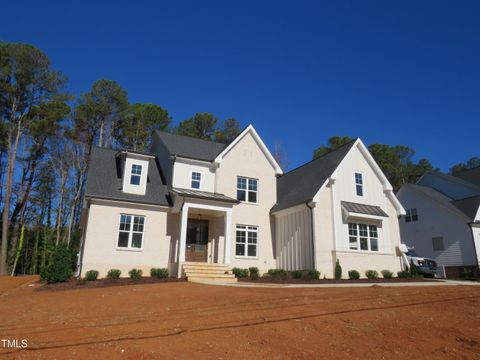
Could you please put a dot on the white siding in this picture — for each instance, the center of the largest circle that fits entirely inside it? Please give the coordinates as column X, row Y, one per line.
column 294, row 239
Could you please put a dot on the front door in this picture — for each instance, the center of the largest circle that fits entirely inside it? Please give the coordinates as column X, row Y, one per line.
column 197, row 240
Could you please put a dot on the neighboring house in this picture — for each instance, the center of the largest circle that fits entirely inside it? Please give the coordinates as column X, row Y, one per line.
column 443, row 219
column 192, row 200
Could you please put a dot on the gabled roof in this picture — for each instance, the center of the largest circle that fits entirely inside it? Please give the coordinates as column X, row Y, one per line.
column 301, row 184
column 190, row 147
column 472, row 175
column 104, row 180
column 469, row 206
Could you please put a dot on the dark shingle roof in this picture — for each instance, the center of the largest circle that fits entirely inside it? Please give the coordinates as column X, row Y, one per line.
column 469, row 206
column 189, row 147
column 104, row 180
column 472, row 175
column 364, row 209
column 204, row 195
column 301, row 184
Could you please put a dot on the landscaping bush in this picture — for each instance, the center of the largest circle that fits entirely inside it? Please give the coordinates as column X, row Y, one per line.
column 404, row 274
column 371, row 274
column 254, row 272
column 277, row 273
column 81, row 281
column 387, row 274
column 135, row 274
column 312, row 274
column 338, row 270
column 239, row 272
column 160, row 273
column 91, row 275
column 297, row 274
column 113, row 274
column 60, row 266
column 414, row 271
column 353, row 275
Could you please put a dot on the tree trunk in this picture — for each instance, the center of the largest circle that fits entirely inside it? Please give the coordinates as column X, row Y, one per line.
column 19, row 249
column 34, row 263
column 100, row 135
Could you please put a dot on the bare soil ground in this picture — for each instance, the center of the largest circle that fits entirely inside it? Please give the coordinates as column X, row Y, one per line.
column 192, row 321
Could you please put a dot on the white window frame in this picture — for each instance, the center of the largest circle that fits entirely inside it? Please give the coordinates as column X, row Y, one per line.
column 247, row 229
column 139, row 168
column 130, row 232
column 354, row 233
column 248, row 182
column 359, row 184
column 199, row 180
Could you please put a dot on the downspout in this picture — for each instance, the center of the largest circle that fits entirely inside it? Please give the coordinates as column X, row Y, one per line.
column 313, row 234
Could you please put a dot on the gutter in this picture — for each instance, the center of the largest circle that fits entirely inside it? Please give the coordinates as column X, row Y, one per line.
column 313, row 234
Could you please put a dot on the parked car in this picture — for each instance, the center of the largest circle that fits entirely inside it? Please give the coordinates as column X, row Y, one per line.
column 425, row 266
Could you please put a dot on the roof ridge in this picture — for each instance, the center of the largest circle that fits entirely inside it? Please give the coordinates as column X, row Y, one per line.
column 320, row 157
column 190, row 137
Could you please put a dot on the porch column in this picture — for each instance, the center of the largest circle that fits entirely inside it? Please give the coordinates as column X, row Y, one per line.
column 183, row 234
column 228, row 236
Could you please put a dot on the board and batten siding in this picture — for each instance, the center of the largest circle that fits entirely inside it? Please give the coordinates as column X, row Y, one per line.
column 294, row 239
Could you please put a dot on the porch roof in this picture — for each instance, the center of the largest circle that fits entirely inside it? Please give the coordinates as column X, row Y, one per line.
column 363, row 209
column 204, row 195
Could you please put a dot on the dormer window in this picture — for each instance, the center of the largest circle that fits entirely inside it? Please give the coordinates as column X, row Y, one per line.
column 359, row 184
column 196, row 179
column 136, row 174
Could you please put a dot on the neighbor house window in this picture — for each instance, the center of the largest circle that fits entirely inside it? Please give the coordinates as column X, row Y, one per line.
column 130, row 232
column 136, row 174
column 411, row 215
column 359, row 184
column 247, row 189
column 196, row 178
column 246, row 241
column 437, row 243
column 362, row 237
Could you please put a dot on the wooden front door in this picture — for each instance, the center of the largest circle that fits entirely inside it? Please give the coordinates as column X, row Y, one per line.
column 197, row 240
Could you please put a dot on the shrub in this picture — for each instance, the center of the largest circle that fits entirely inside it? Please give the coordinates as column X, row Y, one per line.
column 113, row 274
column 404, row 274
column 81, row 281
column 160, row 273
column 338, row 270
column 277, row 273
column 239, row 272
column 414, row 271
column 387, row 274
column 312, row 274
column 91, row 275
column 353, row 275
column 60, row 266
column 254, row 272
column 135, row 274
column 371, row 274
column 297, row 274
column 467, row 274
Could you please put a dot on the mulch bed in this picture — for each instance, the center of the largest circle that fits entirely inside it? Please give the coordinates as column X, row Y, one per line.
column 333, row 281
column 73, row 284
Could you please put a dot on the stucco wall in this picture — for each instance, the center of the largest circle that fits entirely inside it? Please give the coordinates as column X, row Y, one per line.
column 247, row 159
column 182, row 174
column 100, row 251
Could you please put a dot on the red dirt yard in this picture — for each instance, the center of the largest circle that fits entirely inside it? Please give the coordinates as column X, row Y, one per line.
column 192, row 321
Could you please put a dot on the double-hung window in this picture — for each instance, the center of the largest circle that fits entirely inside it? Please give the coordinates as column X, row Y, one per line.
column 359, row 184
column 412, row 215
column 362, row 237
column 130, row 232
column 246, row 241
column 136, row 174
column 247, row 189
column 196, row 178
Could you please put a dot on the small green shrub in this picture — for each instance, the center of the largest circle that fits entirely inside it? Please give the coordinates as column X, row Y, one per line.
column 160, row 273
column 467, row 274
column 404, row 274
column 297, row 274
column 353, row 275
column 60, row 266
column 387, row 274
column 277, row 273
column 113, row 274
column 371, row 274
column 312, row 274
column 91, row 275
column 81, row 281
column 338, row 270
column 135, row 274
column 239, row 272
column 254, row 272
column 414, row 271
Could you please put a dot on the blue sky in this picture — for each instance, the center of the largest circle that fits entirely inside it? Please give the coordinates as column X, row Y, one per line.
column 395, row 72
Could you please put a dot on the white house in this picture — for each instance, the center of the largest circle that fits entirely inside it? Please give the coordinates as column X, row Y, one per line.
column 192, row 202
column 443, row 219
